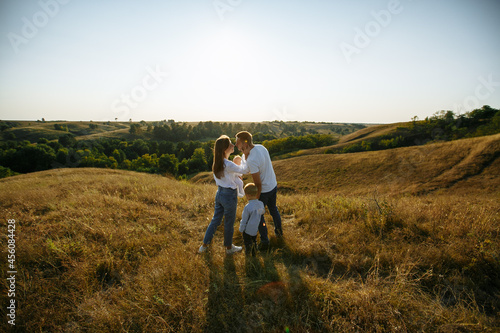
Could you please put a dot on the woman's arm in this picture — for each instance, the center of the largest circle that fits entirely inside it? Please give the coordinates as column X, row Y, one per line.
column 231, row 167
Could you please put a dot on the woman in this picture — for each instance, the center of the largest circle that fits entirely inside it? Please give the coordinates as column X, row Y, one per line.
column 226, row 200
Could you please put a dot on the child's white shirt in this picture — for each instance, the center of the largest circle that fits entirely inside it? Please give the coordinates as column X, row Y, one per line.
column 250, row 218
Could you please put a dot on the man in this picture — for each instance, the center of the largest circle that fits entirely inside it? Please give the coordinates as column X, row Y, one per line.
column 260, row 167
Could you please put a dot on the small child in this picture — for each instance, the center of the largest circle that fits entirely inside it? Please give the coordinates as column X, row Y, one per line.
column 250, row 219
column 237, row 177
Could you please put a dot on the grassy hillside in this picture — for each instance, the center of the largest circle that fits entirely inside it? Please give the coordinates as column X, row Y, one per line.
column 115, row 251
column 369, row 132
column 466, row 164
column 34, row 130
column 440, row 127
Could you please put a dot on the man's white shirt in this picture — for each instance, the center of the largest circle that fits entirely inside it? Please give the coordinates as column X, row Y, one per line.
column 260, row 161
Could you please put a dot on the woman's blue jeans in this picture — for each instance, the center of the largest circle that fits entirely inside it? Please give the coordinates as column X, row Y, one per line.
column 226, row 201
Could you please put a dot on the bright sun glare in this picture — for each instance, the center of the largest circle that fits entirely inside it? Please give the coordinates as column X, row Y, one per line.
column 229, row 56
column 228, row 70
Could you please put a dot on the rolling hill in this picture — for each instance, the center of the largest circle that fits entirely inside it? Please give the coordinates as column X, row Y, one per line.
column 34, row 130
column 109, row 251
column 467, row 164
column 398, row 240
column 461, row 165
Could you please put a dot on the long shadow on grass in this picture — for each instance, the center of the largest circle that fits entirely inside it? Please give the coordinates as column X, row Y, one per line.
column 274, row 302
column 305, row 309
column 225, row 299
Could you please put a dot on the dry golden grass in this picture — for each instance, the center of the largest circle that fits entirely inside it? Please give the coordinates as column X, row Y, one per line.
column 462, row 165
column 370, row 132
column 115, row 251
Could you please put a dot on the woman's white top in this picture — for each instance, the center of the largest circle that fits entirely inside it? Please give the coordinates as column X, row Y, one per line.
column 231, row 173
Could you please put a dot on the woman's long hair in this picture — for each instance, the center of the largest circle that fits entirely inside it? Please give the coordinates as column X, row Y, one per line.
column 221, row 144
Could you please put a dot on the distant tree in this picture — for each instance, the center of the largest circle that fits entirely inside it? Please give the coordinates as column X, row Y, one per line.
column 119, row 155
column 126, row 165
column 108, row 162
column 140, row 147
column 197, row 162
column 490, row 127
column 183, row 167
column 59, row 127
column 9, row 136
column 166, row 147
column 6, row 172
column 33, row 158
column 146, row 163
column 168, row 163
column 62, row 156
column 135, row 129
column 486, row 112
column 67, row 140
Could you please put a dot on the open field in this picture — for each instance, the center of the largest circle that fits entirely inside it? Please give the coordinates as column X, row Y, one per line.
column 403, row 240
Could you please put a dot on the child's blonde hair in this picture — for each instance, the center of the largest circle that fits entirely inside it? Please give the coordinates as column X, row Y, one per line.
column 251, row 189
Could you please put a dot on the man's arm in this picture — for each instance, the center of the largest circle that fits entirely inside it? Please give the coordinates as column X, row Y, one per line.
column 257, row 182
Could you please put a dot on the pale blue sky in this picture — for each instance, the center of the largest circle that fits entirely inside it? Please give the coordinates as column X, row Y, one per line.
column 247, row 60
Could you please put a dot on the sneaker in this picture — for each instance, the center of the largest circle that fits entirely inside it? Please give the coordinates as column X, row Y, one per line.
column 202, row 249
column 234, row 249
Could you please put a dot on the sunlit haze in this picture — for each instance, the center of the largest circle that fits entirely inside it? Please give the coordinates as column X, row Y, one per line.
column 247, row 60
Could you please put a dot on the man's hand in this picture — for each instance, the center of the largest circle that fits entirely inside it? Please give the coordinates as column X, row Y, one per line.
column 257, row 182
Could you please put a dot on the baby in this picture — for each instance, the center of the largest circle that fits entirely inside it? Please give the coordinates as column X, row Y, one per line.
column 237, row 177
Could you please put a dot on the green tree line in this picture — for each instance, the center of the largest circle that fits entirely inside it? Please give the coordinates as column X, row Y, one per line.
column 179, row 158
column 442, row 126
column 139, row 155
column 293, row 143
